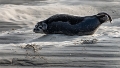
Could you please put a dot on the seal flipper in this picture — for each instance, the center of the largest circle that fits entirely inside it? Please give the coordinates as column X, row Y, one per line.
column 103, row 17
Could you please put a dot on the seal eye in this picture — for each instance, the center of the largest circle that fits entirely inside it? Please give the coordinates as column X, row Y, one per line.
column 39, row 27
column 44, row 26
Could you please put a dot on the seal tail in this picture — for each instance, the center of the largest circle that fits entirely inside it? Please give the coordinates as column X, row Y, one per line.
column 103, row 13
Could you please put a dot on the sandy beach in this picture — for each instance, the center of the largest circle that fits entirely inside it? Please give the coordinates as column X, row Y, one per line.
column 20, row 47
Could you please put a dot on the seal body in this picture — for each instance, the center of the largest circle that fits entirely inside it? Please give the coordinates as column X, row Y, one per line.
column 71, row 25
column 86, row 27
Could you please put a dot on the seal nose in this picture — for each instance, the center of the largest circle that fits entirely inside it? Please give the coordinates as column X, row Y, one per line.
column 35, row 30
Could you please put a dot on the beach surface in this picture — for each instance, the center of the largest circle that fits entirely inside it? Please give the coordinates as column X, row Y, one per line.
column 20, row 47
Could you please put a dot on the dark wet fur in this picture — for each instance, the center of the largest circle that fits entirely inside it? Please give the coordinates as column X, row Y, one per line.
column 64, row 18
column 74, row 25
column 85, row 27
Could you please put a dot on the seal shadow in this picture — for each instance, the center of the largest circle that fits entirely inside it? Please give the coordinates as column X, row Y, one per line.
column 54, row 38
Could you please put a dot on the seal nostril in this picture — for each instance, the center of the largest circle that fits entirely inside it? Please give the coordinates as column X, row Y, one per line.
column 35, row 29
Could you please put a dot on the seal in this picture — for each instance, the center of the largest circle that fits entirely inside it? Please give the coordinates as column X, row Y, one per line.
column 71, row 25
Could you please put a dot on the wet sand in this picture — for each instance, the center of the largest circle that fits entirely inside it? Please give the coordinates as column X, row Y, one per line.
column 7, row 26
column 100, row 55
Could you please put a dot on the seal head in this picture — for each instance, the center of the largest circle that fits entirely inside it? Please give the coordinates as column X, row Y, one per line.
column 40, row 27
